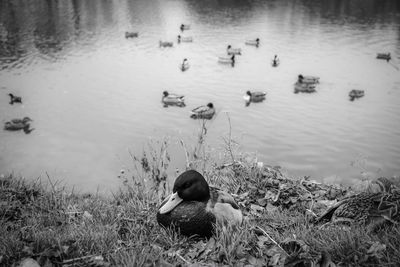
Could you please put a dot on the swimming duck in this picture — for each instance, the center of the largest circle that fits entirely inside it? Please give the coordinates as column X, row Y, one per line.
column 255, row 42
column 166, row 44
column 173, row 99
column 185, row 65
column 227, row 60
column 385, row 56
column 308, row 79
column 131, row 34
column 194, row 207
column 184, row 27
column 233, row 51
column 15, row 99
column 186, row 39
column 254, row 96
column 203, row 112
column 356, row 94
column 18, row 124
column 275, row 61
column 304, row 87
column 366, row 208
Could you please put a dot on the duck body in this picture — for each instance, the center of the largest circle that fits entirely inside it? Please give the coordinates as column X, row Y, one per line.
column 194, row 207
column 15, row 99
column 233, row 51
column 275, row 62
column 185, row 65
column 365, row 208
column 308, row 79
column 203, row 112
column 255, row 42
column 131, row 34
column 186, row 39
column 385, row 56
column 173, row 99
column 254, row 96
column 184, row 27
column 166, row 44
column 356, row 94
column 304, row 88
column 18, row 124
column 227, row 60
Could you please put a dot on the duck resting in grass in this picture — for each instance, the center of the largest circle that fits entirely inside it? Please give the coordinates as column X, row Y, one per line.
column 173, row 99
column 203, row 112
column 15, row 99
column 254, row 96
column 19, row 124
column 194, row 207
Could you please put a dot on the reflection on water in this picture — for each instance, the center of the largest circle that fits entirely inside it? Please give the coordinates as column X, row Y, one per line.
column 94, row 95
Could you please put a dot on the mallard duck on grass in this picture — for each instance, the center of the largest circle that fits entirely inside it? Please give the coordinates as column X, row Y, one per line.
column 15, row 99
column 254, row 96
column 366, row 208
column 203, row 112
column 194, row 207
column 19, row 124
column 173, row 99
column 356, row 94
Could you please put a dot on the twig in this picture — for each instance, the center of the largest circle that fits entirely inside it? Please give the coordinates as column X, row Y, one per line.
column 186, row 154
column 230, row 138
column 267, row 235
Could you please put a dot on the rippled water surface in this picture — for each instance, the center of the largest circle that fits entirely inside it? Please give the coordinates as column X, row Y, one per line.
column 95, row 96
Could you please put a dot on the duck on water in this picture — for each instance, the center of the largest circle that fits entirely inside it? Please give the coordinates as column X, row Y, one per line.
column 194, row 207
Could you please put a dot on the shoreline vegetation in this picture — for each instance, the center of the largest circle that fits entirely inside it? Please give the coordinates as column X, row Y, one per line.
column 47, row 225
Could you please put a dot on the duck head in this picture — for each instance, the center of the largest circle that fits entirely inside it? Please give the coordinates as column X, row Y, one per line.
column 165, row 93
column 189, row 186
column 229, row 47
column 248, row 93
column 210, row 105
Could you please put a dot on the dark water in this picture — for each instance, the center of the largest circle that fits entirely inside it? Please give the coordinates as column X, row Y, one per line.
column 94, row 95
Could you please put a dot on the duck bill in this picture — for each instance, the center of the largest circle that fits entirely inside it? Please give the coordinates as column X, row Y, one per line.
column 172, row 202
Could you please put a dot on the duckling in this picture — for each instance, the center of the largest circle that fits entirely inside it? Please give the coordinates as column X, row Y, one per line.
column 194, row 207
column 15, row 99
column 255, row 42
column 233, row 51
column 131, row 34
column 356, row 94
column 166, row 44
column 173, row 99
column 186, row 39
column 185, row 65
column 366, row 208
column 254, row 96
column 275, row 61
column 203, row 112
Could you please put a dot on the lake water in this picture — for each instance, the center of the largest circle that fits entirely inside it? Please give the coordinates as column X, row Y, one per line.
column 95, row 96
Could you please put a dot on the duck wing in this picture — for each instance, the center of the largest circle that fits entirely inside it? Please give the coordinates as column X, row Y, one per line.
column 200, row 109
column 189, row 218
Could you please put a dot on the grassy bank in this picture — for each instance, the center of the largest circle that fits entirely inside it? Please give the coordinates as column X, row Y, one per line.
column 56, row 227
